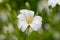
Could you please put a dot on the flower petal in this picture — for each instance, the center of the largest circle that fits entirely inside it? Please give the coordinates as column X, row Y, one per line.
column 58, row 1
column 27, row 12
column 21, row 16
column 49, row 2
column 35, row 25
column 19, row 24
column 52, row 3
column 37, row 18
column 23, row 25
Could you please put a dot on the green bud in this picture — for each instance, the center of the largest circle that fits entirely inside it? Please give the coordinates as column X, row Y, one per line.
column 27, row 5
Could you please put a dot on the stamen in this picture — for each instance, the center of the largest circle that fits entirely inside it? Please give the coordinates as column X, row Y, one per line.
column 29, row 19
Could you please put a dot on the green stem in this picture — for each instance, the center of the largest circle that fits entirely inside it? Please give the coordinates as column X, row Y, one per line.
column 7, row 36
column 18, row 34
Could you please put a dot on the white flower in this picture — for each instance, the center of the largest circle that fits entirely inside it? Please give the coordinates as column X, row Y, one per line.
column 13, row 37
column 56, row 17
column 27, row 18
column 43, row 4
column 1, row 1
column 56, row 35
column 47, row 26
column 3, row 15
column 2, row 37
column 9, row 28
column 53, row 2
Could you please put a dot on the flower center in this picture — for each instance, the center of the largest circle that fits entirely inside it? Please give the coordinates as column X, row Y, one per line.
column 29, row 19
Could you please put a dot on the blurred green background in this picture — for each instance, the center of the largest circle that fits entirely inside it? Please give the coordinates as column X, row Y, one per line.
column 9, row 9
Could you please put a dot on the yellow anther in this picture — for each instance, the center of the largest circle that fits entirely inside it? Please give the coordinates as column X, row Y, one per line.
column 29, row 19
